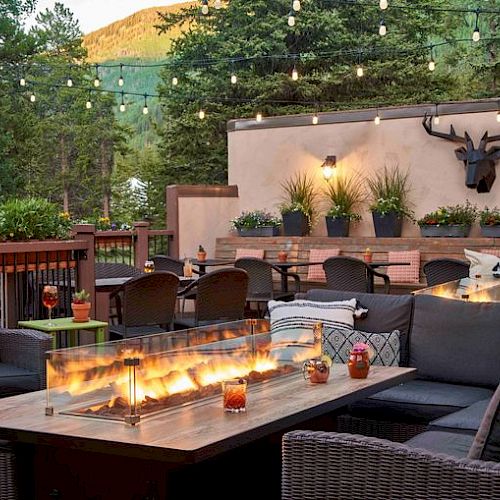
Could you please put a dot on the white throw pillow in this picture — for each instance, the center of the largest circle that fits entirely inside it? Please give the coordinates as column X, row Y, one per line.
column 481, row 263
column 305, row 314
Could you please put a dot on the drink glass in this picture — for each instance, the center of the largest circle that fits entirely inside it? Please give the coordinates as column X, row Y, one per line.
column 234, row 392
column 188, row 268
column 49, row 299
column 149, row 266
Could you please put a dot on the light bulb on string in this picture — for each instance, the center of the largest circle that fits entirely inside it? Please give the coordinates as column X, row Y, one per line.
column 296, row 5
column 437, row 120
column 384, row 4
column 88, row 104
column 145, row 109
column 201, row 114
column 291, row 19
column 204, row 7
column 69, row 82
column 122, row 104
column 258, row 117
column 234, row 79
column 315, row 119
column 360, row 71
column 498, row 116
column 97, row 81
column 382, row 30
column 22, row 82
column 476, row 36
column 33, row 97
column 295, row 74
column 432, row 65
column 120, row 80
column 175, row 81
column 218, row 4
column 377, row 119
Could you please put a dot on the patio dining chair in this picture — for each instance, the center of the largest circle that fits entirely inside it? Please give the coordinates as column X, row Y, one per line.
column 115, row 270
column 260, row 282
column 145, row 305
column 220, row 297
column 165, row 263
column 352, row 275
column 438, row 271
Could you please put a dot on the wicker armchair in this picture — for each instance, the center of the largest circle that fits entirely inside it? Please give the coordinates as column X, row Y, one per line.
column 439, row 271
column 165, row 263
column 220, row 296
column 337, row 466
column 352, row 275
column 115, row 270
column 260, row 281
column 22, row 360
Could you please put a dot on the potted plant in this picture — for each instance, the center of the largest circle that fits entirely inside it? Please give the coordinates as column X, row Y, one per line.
column 452, row 221
column 490, row 222
column 201, row 255
column 256, row 223
column 344, row 195
column 80, row 306
column 389, row 191
column 299, row 208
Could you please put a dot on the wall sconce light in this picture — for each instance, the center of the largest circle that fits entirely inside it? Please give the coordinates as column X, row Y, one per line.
column 328, row 167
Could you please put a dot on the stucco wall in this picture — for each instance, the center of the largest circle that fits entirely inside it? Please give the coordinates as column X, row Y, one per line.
column 259, row 160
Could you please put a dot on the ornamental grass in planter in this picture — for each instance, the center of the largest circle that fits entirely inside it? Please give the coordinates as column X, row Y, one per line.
column 389, row 191
column 258, row 223
column 452, row 221
column 489, row 220
column 344, row 194
column 299, row 208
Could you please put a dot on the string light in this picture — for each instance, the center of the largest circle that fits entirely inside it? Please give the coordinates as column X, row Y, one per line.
column 382, row 30
column 69, row 83
column 295, row 74
column 360, row 71
column 201, row 114
column 97, row 82
column 258, row 118
column 175, row 81
column 218, row 4
column 384, row 4
column 296, row 5
column 145, row 109
column 436, row 117
column 122, row 104
column 22, row 82
column 315, row 119
column 377, row 119
column 33, row 97
column 88, row 104
column 476, row 36
column 498, row 116
column 432, row 63
column 204, row 7
column 234, row 79
column 291, row 19
column 120, row 80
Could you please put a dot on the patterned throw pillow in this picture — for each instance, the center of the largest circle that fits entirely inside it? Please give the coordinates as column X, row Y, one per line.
column 317, row 273
column 339, row 342
column 481, row 263
column 257, row 253
column 305, row 314
column 404, row 274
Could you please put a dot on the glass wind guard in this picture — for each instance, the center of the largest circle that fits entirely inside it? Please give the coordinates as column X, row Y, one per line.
column 466, row 289
column 130, row 379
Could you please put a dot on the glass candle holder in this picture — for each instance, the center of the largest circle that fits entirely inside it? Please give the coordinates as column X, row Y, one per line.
column 234, row 393
column 149, row 266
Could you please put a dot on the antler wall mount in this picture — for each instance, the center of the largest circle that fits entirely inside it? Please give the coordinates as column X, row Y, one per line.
column 480, row 171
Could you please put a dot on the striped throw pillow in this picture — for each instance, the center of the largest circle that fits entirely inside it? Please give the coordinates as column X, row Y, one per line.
column 316, row 273
column 404, row 274
column 491, row 251
column 304, row 314
column 241, row 253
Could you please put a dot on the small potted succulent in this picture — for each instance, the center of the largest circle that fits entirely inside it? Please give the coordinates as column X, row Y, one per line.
column 452, row 221
column 201, row 255
column 257, row 223
column 80, row 306
column 344, row 196
column 490, row 222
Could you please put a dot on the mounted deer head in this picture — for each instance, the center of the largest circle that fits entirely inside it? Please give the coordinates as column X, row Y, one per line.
column 479, row 163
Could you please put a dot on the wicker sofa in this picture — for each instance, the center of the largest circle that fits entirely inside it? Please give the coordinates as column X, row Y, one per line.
column 455, row 348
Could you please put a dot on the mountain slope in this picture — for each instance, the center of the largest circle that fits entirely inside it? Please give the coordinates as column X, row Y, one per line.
column 132, row 37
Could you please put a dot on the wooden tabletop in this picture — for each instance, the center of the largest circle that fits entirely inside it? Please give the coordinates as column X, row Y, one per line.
column 202, row 430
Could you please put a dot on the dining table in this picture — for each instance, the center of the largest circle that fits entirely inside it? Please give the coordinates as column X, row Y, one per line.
column 203, row 264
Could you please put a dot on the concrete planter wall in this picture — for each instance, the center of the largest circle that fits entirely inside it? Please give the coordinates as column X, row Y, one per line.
column 453, row 231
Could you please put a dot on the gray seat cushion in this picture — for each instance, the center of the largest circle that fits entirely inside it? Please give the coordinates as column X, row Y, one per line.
column 467, row 420
column 420, row 401
column 120, row 331
column 456, row 342
column 449, row 443
column 386, row 313
column 14, row 380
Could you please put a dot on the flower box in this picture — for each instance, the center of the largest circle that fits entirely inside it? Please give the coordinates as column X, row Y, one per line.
column 264, row 231
column 490, row 231
column 445, row 231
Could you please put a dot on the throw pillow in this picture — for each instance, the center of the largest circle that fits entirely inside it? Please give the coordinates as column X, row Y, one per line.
column 486, row 445
column 317, row 273
column 481, row 263
column 338, row 343
column 306, row 313
column 241, row 253
column 404, row 274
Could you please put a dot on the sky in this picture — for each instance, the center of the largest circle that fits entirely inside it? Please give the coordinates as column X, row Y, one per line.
column 95, row 14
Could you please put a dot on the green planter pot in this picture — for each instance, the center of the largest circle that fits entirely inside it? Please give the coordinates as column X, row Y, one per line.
column 490, row 231
column 337, row 226
column 388, row 225
column 259, row 232
column 452, row 231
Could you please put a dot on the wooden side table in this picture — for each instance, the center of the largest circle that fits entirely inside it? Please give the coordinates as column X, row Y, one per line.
column 66, row 325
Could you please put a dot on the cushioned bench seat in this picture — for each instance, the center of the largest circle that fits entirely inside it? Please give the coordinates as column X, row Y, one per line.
column 448, row 443
column 17, row 380
column 419, row 401
column 466, row 421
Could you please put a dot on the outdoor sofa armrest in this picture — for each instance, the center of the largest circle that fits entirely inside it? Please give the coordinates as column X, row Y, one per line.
column 330, row 465
column 25, row 349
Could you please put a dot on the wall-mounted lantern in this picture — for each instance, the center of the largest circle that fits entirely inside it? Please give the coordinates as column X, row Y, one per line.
column 328, row 167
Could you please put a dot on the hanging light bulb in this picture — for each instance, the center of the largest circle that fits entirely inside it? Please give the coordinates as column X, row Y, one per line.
column 291, row 19
column 145, row 109
column 204, row 7
column 315, row 119
column 476, row 36
column 234, row 79
column 122, row 104
column 120, row 81
column 175, row 81
column 360, row 71
column 377, row 119
column 69, row 83
column 436, row 120
column 201, row 114
column 295, row 74
column 384, row 4
column 498, row 116
column 432, row 65
column 97, row 82
column 382, row 30
column 33, row 97
column 88, row 104
column 296, row 5
column 22, row 82
column 258, row 117
column 218, row 4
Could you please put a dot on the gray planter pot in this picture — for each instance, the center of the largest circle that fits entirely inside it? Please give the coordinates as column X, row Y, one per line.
column 388, row 225
column 295, row 224
column 259, row 232
column 445, row 231
column 337, row 226
column 490, row 231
